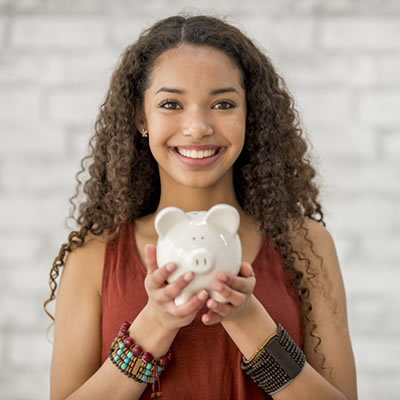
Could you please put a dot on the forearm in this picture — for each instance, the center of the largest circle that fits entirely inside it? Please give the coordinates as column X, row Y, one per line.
column 251, row 332
column 110, row 383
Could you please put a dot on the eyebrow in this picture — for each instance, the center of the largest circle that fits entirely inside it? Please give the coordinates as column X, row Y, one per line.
column 212, row 93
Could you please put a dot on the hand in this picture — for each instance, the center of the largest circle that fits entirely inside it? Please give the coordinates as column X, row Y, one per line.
column 161, row 294
column 237, row 290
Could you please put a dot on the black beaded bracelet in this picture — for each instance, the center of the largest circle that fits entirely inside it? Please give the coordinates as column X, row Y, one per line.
column 276, row 363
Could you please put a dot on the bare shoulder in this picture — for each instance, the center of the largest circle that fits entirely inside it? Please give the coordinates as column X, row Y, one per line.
column 77, row 318
column 311, row 230
column 85, row 263
column 316, row 243
column 327, row 296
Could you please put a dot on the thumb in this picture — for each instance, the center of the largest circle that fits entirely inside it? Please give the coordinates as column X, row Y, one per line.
column 246, row 269
column 150, row 258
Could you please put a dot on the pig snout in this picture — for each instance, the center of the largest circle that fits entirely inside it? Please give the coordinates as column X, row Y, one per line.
column 201, row 260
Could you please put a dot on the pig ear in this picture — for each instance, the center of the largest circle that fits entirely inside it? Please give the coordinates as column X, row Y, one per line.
column 224, row 217
column 167, row 218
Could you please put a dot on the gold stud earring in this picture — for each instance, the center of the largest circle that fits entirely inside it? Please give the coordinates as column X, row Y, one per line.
column 144, row 132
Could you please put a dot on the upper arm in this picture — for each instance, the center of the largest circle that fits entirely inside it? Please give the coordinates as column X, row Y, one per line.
column 328, row 300
column 77, row 334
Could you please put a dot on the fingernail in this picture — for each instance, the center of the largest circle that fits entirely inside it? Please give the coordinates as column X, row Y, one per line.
column 213, row 304
column 223, row 278
column 217, row 286
column 188, row 276
column 202, row 295
column 170, row 267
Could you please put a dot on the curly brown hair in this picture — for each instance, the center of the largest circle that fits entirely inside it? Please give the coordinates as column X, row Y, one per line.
column 273, row 176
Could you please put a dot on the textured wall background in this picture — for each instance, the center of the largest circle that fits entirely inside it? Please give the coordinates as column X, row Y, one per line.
column 341, row 60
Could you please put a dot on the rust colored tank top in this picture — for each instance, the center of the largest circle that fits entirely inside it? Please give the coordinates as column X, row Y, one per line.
column 206, row 362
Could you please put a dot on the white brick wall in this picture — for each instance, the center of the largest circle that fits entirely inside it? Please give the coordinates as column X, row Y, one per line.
column 341, row 60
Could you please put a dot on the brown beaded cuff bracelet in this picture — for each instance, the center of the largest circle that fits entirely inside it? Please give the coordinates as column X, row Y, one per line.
column 276, row 364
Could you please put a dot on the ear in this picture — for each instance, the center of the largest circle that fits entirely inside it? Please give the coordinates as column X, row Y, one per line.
column 167, row 218
column 224, row 217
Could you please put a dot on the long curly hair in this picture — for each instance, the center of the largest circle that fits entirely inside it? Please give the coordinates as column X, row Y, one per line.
column 273, row 176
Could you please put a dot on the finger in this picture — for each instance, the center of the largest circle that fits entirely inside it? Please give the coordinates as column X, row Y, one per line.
column 232, row 296
column 221, row 309
column 157, row 278
column 173, row 289
column 211, row 318
column 244, row 284
column 246, row 269
column 191, row 306
column 150, row 258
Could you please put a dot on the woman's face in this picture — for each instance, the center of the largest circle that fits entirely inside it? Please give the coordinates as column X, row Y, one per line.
column 195, row 112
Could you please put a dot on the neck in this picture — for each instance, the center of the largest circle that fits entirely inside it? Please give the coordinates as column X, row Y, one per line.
column 191, row 198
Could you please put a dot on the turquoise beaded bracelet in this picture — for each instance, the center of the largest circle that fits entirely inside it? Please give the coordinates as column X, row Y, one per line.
column 134, row 362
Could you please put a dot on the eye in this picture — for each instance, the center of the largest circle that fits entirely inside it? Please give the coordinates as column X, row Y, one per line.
column 169, row 104
column 225, row 105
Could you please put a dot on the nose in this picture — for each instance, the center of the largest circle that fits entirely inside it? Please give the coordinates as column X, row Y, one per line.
column 201, row 261
column 197, row 126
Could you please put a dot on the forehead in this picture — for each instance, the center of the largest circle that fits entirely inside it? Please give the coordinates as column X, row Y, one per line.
column 201, row 65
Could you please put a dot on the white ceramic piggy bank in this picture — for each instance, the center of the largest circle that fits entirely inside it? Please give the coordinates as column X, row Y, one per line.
column 205, row 242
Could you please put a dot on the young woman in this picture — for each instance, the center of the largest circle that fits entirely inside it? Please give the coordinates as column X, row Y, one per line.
column 196, row 116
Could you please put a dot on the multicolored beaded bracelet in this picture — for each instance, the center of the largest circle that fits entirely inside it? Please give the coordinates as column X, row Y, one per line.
column 136, row 363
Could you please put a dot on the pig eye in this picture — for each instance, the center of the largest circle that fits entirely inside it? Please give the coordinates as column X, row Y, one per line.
column 202, row 238
column 193, row 238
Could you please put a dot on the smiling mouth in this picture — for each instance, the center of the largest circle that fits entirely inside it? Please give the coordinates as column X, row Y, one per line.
column 197, row 154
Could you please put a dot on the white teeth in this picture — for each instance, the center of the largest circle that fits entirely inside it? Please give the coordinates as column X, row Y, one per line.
column 196, row 154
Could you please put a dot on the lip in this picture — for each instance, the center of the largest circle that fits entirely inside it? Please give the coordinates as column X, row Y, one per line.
column 198, row 162
column 198, row 147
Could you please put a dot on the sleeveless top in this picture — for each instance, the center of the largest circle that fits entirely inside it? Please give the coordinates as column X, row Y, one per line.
column 206, row 362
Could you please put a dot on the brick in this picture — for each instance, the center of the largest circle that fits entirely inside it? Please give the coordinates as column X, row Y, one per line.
column 18, row 309
column 391, row 146
column 125, row 31
column 18, row 104
column 313, row 6
column 388, row 70
column 363, row 177
column 377, row 249
column 340, row 141
column 11, row 246
column 365, row 279
column 57, row 7
column 91, row 68
column 38, row 138
column 372, row 385
column 58, row 32
column 280, row 35
column 360, row 33
column 3, row 24
column 33, row 343
column 74, row 106
column 322, row 106
column 33, row 214
column 328, row 71
column 50, row 69
column 27, row 6
column 34, row 277
column 381, row 359
column 26, row 384
column 369, row 313
column 156, row 10
column 355, row 214
column 380, row 108
column 357, row 8
column 38, row 176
